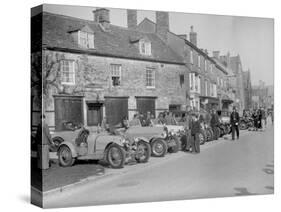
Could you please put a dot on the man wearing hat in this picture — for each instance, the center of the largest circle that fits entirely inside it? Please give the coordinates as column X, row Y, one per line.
column 234, row 121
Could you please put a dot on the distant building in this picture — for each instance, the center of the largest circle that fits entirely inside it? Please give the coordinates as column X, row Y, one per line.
column 262, row 95
column 247, row 89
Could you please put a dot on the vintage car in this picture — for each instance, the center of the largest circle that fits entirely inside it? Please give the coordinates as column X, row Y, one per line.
column 158, row 136
column 84, row 144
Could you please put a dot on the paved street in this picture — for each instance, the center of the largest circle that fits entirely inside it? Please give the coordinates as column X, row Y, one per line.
column 224, row 168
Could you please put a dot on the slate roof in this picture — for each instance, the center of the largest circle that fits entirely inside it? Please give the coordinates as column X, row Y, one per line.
column 115, row 42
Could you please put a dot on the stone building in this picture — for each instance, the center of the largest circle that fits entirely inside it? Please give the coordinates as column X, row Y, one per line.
column 93, row 69
column 247, row 89
column 202, row 68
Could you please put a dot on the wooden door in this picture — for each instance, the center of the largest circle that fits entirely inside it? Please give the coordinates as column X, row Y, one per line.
column 94, row 114
column 68, row 109
column 145, row 104
column 116, row 108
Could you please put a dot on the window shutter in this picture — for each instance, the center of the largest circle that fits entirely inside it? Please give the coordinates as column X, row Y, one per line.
column 91, row 42
column 148, row 48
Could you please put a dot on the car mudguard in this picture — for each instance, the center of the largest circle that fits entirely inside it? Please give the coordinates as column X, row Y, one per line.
column 154, row 138
column 71, row 147
column 143, row 139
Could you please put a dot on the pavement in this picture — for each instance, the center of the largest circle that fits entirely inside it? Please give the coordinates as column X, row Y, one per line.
column 223, row 168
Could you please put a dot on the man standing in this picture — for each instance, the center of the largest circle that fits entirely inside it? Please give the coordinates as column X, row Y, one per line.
column 44, row 141
column 214, row 123
column 195, row 130
column 234, row 121
column 263, row 117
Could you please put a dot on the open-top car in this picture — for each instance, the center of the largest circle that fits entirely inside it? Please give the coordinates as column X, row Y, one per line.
column 158, row 137
column 84, row 144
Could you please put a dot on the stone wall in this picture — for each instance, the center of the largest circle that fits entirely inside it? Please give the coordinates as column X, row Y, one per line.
column 95, row 71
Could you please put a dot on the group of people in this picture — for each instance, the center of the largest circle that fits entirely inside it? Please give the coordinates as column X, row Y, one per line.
column 259, row 117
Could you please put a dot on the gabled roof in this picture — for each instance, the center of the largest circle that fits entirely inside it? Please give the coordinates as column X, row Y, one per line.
column 115, row 42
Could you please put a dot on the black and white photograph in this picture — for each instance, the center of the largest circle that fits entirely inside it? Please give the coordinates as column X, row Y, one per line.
column 132, row 106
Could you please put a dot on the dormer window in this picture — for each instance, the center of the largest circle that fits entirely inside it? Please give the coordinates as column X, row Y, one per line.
column 86, row 40
column 145, row 47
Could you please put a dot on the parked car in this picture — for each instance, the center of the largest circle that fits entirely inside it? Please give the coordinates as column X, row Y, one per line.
column 246, row 123
column 159, row 137
column 83, row 144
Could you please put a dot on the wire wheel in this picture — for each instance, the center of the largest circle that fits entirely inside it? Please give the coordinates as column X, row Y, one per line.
column 65, row 156
column 116, row 156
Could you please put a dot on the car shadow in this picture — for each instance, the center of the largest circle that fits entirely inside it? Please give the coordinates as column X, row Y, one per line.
column 269, row 188
column 269, row 169
column 242, row 191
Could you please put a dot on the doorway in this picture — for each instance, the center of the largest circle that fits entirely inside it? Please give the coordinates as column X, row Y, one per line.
column 94, row 114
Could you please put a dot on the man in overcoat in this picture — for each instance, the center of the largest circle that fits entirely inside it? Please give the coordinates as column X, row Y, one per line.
column 234, row 122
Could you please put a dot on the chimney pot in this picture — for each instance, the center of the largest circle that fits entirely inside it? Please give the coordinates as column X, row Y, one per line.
column 216, row 54
column 193, row 36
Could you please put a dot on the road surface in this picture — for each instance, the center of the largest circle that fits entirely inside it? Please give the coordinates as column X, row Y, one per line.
column 223, row 168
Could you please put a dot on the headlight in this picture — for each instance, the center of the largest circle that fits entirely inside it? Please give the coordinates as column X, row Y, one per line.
column 164, row 134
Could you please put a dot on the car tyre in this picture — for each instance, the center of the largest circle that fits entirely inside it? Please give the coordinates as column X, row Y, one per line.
column 243, row 125
column 158, row 148
column 115, row 156
column 145, row 149
column 209, row 134
column 202, row 137
column 65, row 156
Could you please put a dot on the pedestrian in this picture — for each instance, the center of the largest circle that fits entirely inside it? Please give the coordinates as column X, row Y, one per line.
column 135, row 121
column 142, row 120
column 255, row 118
column 195, row 130
column 214, row 123
column 161, row 119
column 272, row 117
column 263, row 117
column 234, row 121
column 147, row 121
column 44, row 142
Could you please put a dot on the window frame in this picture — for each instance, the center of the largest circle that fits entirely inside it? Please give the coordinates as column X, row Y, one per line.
column 69, row 72
column 87, row 45
column 115, row 75
column 153, row 77
column 147, row 47
column 191, row 57
column 199, row 61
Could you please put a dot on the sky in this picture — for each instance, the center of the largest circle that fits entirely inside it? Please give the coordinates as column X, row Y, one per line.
column 251, row 38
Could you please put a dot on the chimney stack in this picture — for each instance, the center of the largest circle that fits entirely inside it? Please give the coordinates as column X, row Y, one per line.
column 193, row 36
column 101, row 16
column 162, row 25
column 132, row 21
column 216, row 54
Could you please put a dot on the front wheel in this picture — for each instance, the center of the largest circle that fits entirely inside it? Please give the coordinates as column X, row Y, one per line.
column 65, row 156
column 209, row 134
column 243, row 125
column 116, row 156
column 202, row 137
column 158, row 148
column 143, row 152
